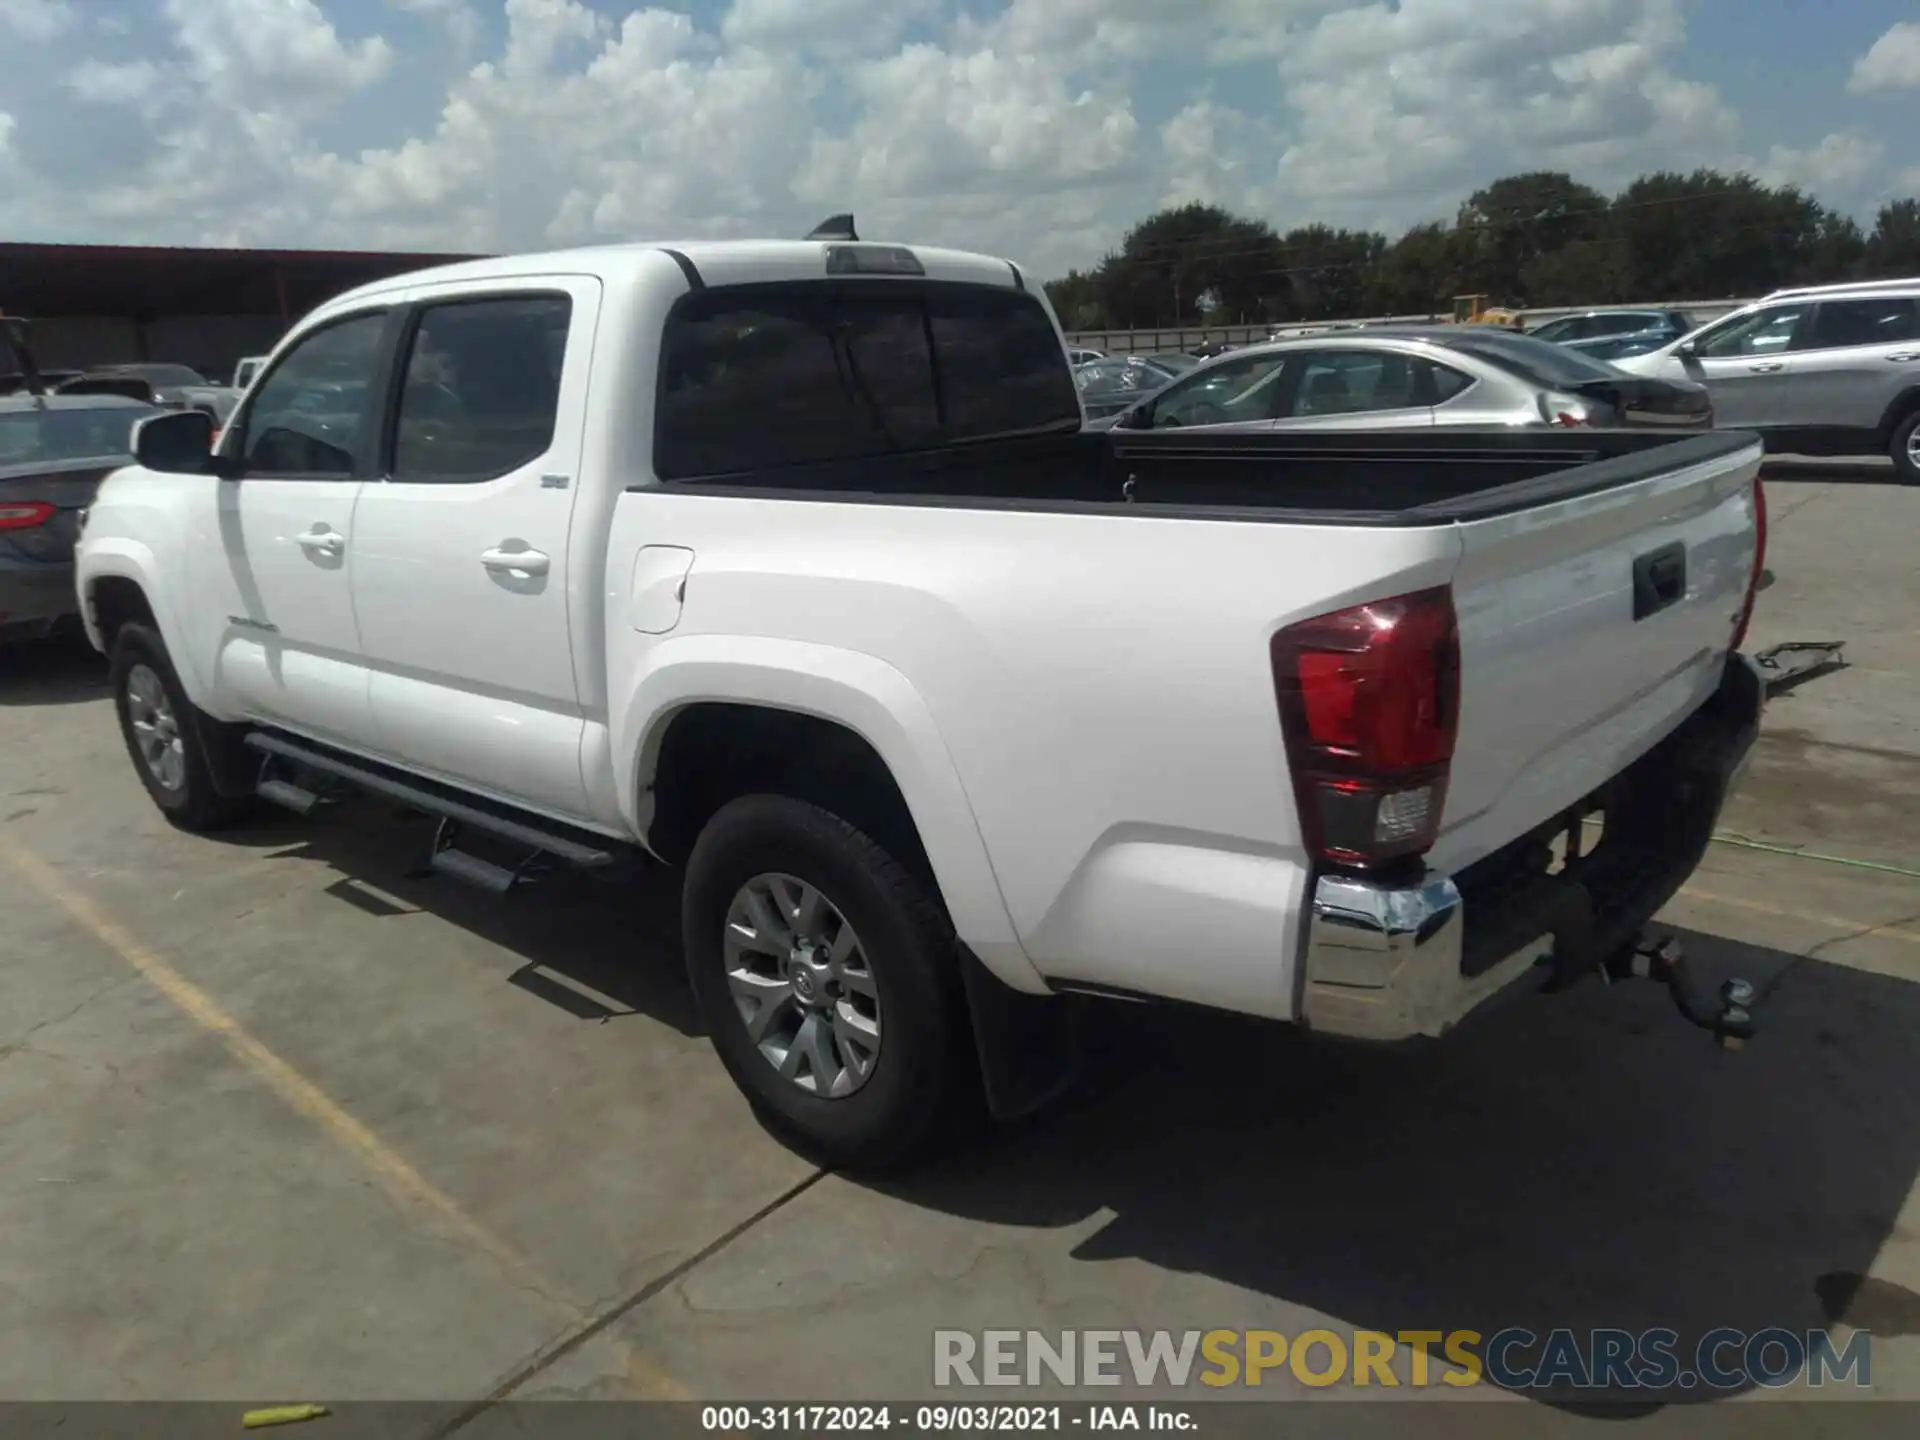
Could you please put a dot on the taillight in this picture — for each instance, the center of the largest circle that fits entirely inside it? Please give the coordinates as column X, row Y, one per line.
column 1370, row 705
column 1759, row 562
column 24, row 514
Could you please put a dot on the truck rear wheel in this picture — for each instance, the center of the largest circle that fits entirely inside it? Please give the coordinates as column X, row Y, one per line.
column 158, row 722
column 827, row 976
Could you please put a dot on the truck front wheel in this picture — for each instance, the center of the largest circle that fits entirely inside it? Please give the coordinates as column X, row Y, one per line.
column 162, row 733
column 828, row 980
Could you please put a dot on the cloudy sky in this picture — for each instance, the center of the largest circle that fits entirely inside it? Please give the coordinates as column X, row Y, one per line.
column 1034, row 128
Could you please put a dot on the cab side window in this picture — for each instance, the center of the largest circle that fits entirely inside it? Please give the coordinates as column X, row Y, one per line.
column 482, row 388
column 308, row 416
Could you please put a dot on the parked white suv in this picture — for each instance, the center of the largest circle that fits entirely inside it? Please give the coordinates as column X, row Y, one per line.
column 793, row 566
column 1830, row 370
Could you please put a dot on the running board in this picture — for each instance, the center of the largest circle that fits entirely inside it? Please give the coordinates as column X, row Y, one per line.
column 530, row 833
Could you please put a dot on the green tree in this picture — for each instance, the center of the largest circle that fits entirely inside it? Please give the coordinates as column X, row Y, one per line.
column 1324, row 271
column 1893, row 250
column 1516, row 220
column 1418, row 274
column 1170, row 259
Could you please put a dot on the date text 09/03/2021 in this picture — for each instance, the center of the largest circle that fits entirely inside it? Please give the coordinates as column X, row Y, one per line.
column 942, row 1419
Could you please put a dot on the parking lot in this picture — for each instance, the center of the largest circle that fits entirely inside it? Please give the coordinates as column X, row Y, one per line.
column 284, row 1120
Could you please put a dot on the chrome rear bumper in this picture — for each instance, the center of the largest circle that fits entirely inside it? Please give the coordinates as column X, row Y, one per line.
column 1386, row 962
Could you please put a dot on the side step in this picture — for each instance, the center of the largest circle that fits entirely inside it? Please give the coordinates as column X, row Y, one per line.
column 527, row 832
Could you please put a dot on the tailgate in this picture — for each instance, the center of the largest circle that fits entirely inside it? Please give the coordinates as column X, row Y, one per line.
column 1589, row 629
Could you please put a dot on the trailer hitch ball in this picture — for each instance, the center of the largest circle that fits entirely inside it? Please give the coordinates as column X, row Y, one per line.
column 1729, row 1017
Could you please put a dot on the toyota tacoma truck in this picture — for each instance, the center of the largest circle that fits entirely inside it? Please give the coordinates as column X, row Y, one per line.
column 793, row 566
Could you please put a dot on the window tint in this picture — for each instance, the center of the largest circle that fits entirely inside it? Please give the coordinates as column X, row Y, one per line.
column 1765, row 332
column 54, row 435
column 763, row 376
column 1353, row 382
column 482, row 388
column 308, row 415
column 1237, row 391
column 1621, row 323
column 1531, row 358
column 1571, row 327
column 1860, row 322
column 1448, row 382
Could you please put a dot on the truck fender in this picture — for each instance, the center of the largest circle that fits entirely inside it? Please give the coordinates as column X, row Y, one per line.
column 873, row 700
column 118, row 557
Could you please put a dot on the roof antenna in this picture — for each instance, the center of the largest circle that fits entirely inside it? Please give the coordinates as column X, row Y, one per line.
column 834, row 227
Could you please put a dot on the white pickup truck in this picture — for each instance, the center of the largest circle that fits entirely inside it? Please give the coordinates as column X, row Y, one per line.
column 791, row 565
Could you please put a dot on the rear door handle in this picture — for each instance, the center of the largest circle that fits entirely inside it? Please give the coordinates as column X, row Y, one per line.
column 1768, row 367
column 516, row 562
column 1905, row 356
column 321, row 540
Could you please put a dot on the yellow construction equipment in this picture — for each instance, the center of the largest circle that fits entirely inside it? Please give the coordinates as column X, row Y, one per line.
column 1474, row 310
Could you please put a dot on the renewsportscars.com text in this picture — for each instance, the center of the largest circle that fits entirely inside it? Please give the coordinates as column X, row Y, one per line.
column 1513, row 1359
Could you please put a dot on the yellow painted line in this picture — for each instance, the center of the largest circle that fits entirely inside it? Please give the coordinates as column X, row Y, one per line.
column 1832, row 922
column 387, row 1165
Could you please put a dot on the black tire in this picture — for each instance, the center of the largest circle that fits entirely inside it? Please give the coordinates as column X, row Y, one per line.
column 194, row 804
column 1900, row 449
column 921, row 1079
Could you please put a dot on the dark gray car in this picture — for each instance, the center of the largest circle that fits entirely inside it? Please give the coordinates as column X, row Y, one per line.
column 54, row 452
column 171, row 387
column 1615, row 334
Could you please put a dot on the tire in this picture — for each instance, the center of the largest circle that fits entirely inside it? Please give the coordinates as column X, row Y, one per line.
column 1906, row 465
column 181, row 784
column 918, row 1078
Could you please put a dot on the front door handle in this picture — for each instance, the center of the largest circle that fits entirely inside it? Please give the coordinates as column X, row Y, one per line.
column 321, row 540
column 516, row 562
column 1905, row 356
column 1768, row 368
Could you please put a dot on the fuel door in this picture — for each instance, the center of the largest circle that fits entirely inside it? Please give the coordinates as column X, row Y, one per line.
column 659, row 589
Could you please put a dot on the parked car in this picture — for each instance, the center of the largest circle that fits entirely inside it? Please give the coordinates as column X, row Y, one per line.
column 16, row 381
column 1109, row 386
column 939, row 703
column 1416, row 377
column 1614, row 334
column 244, row 372
column 169, row 387
column 54, row 450
column 1081, row 355
column 1833, row 370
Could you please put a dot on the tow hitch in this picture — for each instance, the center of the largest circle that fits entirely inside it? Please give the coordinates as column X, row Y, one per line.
column 1728, row 1017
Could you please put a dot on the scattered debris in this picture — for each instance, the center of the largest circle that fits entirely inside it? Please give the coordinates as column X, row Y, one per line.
column 1786, row 665
column 281, row 1415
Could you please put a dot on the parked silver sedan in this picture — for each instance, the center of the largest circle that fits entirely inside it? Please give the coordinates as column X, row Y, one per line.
column 1406, row 377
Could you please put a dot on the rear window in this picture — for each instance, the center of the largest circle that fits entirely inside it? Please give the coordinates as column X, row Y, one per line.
column 1539, row 361
column 763, row 376
column 55, row 435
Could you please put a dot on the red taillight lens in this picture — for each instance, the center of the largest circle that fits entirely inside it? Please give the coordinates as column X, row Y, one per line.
column 1369, row 705
column 1759, row 562
column 24, row 514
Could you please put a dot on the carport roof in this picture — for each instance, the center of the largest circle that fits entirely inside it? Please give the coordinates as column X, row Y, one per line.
column 147, row 282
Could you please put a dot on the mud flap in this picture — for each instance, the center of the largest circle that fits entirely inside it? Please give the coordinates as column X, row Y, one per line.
column 1029, row 1045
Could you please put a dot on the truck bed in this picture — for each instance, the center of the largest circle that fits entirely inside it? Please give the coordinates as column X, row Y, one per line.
column 1354, row 478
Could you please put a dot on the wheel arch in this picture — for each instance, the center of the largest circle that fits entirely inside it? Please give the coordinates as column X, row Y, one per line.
column 117, row 585
column 826, row 717
column 1900, row 409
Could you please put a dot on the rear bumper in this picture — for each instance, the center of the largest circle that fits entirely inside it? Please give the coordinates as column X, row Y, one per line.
column 1395, row 962
column 34, row 598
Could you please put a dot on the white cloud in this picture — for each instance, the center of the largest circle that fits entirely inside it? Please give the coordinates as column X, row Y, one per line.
column 461, row 19
column 1891, row 63
column 1425, row 102
column 1841, row 167
column 35, row 19
column 829, row 27
column 102, row 83
column 271, row 52
column 1041, row 129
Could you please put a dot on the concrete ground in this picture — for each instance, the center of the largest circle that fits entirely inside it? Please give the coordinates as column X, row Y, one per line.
column 281, row 1121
